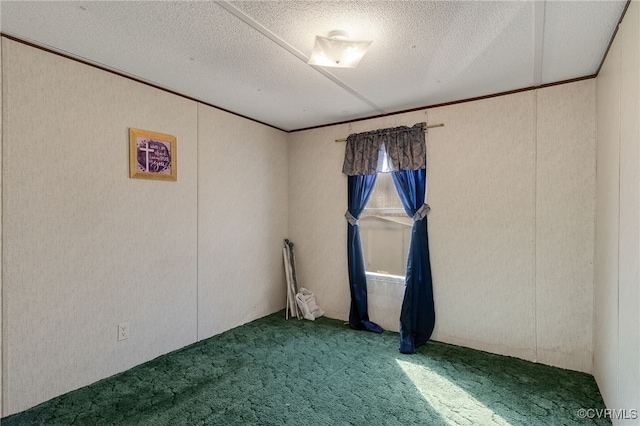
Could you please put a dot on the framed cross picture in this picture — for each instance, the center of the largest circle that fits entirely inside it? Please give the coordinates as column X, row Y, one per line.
column 152, row 155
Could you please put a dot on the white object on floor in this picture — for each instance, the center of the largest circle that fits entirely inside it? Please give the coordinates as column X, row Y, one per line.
column 306, row 301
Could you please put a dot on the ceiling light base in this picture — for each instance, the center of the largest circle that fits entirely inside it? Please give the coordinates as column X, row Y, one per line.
column 338, row 51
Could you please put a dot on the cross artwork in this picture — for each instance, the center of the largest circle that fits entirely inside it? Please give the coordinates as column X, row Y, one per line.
column 152, row 155
column 146, row 150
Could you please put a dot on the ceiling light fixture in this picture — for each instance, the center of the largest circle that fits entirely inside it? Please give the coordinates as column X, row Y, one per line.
column 337, row 50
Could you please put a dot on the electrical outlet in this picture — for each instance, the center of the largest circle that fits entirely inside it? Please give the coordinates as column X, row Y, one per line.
column 123, row 331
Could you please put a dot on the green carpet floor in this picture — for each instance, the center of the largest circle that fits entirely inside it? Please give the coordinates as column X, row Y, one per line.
column 277, row 372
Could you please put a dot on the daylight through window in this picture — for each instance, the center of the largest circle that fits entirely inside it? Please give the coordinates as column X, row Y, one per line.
column 385, row 230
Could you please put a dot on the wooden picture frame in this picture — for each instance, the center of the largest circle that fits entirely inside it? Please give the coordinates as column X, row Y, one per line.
column 152, row 155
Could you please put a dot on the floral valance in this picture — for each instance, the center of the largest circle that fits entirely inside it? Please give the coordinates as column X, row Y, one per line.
column 401, row 148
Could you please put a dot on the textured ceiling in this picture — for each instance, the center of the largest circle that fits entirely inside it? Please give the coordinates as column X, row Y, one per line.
column 249, row 57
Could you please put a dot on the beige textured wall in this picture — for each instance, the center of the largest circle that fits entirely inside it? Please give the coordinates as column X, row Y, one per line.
column 242, row 220
column 1, row 326
column 629, row 260
column 607, row 227
column 487, row 198
column 565, row 223
column 482, row 223
column 617, row 282
column 499, row 195
column 86, row 248
column 317, row 203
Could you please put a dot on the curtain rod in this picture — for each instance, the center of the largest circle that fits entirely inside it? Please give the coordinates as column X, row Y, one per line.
column 425, row 129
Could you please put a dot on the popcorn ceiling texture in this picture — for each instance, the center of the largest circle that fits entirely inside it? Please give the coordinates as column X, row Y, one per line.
column 423, row 52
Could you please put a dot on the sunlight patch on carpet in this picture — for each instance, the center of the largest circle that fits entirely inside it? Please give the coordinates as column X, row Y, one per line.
column 452, row 402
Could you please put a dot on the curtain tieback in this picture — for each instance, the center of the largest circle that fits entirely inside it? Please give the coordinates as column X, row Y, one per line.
column 421, row 213
column 353, row 221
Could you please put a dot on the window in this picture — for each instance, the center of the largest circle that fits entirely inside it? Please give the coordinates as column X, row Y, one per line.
column 385, row 230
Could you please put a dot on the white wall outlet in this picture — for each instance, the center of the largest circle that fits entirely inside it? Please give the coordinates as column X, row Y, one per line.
column 123, row 331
